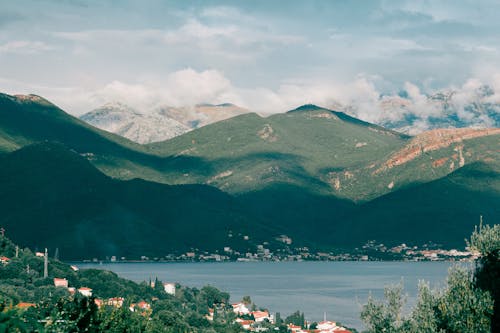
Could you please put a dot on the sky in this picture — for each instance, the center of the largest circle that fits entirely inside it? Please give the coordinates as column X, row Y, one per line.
column 268, row 56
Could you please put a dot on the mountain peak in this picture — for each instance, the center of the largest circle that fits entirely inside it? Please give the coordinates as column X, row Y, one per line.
column 33, row 99
column 117, row 106
column 307, row 107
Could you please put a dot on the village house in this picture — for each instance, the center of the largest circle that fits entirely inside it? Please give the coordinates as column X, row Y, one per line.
column 85, row 291
column 326, row 325
column 58, row 282
column 260, row 316
column 210, row 315
column 294, row 328
column 240, row 308
column 4, row 260
column 98, row 302
column 39, row 254
column 72, row 290
column 169, row 288
column 142, row 305
column 245, row 323
column 117, row 302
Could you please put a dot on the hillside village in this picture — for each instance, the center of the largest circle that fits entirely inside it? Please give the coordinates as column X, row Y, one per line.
column 53, row 278
column 282, row 250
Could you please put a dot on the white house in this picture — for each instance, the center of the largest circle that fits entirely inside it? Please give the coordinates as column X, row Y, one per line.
column 60, row 282
column 85, row 291
column 169, row 288
column 260, row 316
column 240, row 308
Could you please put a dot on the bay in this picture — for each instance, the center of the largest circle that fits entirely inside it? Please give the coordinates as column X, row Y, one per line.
column 337, row 289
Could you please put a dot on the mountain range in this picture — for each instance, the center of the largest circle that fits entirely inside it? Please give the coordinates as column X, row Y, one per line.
column 403, row 112
column 159, row 124
column 324, row 178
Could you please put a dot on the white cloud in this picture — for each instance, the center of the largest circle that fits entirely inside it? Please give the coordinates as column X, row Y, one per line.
column 360, row 97
column 24, row 47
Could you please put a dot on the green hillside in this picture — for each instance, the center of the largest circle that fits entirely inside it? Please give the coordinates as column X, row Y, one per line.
column 322, row 151
column 52, row 197
column 300, row 147
column 440, row 211
column 320, row 176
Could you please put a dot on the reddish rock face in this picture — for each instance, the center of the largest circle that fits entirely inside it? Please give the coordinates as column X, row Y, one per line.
column 434, row 140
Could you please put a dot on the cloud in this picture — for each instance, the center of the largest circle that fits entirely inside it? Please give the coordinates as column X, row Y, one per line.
column 186, row 87
column 474, row 103
column 24, row 47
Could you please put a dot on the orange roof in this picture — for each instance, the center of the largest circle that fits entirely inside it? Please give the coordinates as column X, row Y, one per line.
column 84, row 288
column 143, row 305
column 3, row 258
column 260, row 313
column 24, row 305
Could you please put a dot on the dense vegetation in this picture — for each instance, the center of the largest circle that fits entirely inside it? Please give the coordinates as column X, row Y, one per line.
column 298, row 173
column 468, row 304
column 74, row 207
column 54, row 309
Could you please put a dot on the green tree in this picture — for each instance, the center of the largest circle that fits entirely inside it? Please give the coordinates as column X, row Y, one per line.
column 486, row 240
column 296, row 318
column 386, row 316
column 246, row 300
column 465, row 305
column 462, row 307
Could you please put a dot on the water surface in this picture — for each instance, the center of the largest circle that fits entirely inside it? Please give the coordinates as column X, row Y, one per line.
column 337, row 288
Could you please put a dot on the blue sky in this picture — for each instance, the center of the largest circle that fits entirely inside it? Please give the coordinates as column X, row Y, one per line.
column 268, row 56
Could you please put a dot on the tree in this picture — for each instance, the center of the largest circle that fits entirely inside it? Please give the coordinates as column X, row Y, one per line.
column 246, row 300
column 465, row 305
column 386, row 316
column 424, row 315
column 462, row 307
column 486, row 240
column 296, row 318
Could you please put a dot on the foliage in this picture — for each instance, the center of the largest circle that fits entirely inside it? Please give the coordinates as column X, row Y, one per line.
column 296, row 318
column 465, row 305
column 307, row 152
column 486, row 240
column 56, row 310
column 386, row 316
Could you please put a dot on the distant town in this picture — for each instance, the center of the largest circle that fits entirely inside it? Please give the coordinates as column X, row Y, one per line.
column 370, row 251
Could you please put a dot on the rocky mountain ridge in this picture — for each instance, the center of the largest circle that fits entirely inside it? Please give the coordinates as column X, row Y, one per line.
column 159, row 124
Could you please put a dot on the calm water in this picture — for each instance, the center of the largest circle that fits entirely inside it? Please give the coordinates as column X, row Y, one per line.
column 337, row 288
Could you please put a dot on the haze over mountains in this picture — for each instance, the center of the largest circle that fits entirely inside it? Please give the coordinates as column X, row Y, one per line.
column 311, row 173
column 408, row 112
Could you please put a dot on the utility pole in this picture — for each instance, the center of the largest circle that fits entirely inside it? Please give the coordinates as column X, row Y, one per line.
column 17, row 251
column 2, row 231
column 46, row 264
column 56, row 255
